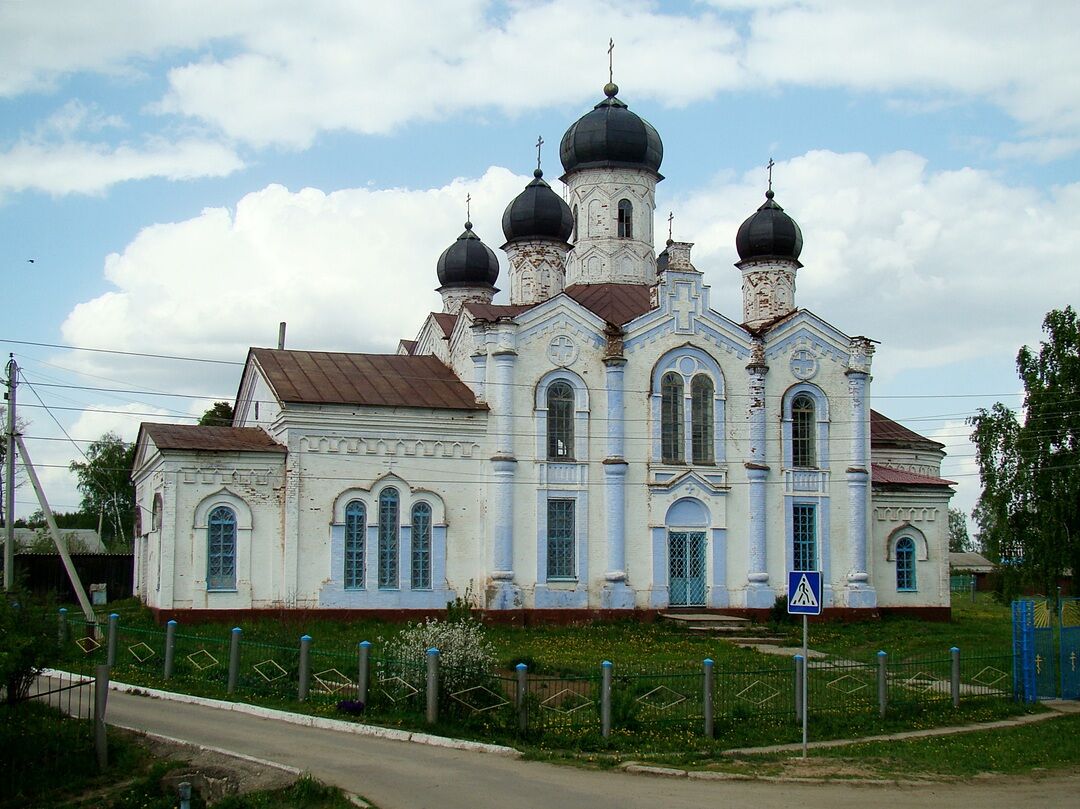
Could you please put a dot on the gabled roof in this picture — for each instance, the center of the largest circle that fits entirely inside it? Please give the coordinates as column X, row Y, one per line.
column 406, row 346
column 379, row 380
column 886, row 432
column 618, row 304
column 194, row 437
column 446, row 322
column 969, row 560
column 887, row 476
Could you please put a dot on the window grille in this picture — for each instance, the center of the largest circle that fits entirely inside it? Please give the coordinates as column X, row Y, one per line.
column 560, row 421
column 671, row 418
column 560, row 539
column 802, row 432
column 804, row 536
column 626, row 219
column 221, row 550
column 905, row 564
column 355, row 529
column 701, row 419
column 388, row 538
column 421, row 547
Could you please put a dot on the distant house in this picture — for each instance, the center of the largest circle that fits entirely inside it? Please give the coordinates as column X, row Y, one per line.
column 973, row 564
column 79, row 540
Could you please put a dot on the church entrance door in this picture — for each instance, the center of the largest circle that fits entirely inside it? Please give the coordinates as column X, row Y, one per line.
column 686, row 568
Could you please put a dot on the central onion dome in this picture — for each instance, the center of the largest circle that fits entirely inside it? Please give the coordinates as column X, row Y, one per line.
column 611, row 135
column 537, row 213
column 769, row 233
column 468, row 262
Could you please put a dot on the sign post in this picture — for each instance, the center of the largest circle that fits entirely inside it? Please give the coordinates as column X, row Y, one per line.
column 804, row 598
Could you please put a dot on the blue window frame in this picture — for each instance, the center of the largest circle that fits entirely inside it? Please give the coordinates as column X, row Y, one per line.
column 560, row 539
column 355, row 530
column 389, row 504
column 905, row 564
column 560, row 422
column 701, row 419
column 671, row 418
column 221, row 549
column 804, row 536
column 420, row 578
column 803, row 422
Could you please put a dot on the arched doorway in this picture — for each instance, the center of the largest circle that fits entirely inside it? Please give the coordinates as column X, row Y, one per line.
column 687, row 522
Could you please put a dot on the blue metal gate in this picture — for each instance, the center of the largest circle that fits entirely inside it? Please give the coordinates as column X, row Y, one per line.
column 1069, row 659
column 686, row 568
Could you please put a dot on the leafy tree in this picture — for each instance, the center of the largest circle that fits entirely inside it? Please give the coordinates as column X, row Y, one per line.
column 106, row 487
column 220, row 415
column 27, row 644
column 959, row 541
column 1029, row 510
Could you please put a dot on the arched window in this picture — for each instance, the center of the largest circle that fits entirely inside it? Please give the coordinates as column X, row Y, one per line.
column 573, row 235
column 671, row 418
column 155, row 518
column 388, row 538
column 221, row 549
column 701, row 419
column 560, row 421
column 905, row 564
column 803, row 423
column 626, row 219
column 355, row 530
column 420, row 578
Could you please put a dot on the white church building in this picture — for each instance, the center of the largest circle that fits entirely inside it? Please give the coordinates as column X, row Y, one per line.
column 606, row 442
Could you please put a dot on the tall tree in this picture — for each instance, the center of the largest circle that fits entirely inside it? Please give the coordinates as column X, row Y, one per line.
column 1029, row 510
column 220, row 415
column 959, row 542
column 106, row 487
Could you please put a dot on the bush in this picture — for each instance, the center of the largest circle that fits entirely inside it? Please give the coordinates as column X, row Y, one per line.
column 27, row 645
column 466, row 656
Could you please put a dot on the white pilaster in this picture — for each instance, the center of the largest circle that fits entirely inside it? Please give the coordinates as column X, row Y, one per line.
column 861, row 592
column 616, row 593
column 758, row 592
column 503, row 594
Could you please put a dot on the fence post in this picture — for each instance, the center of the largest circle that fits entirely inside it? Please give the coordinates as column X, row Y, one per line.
column 955, row 679
column 707, row 697
column 605, row 698
column 62, row 627
column 170, row 648
column 234, row 658
column 882, row 682
column 305, row 668
column 432, row 686
column 522, row 690
column 101, row 699
column 363, row 670
column 800, row 672
column 114, row 625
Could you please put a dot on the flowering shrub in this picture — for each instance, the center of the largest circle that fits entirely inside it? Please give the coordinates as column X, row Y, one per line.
column 466, row 656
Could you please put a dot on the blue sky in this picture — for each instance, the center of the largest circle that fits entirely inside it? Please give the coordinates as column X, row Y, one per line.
column 187, row 174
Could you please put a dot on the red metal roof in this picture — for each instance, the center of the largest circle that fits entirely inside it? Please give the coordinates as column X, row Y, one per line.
column 887, row 476
column 618, row 304
column 884, row 430
column 380, row 380
column 446, row 322
column 213, row 439
column 409, row 346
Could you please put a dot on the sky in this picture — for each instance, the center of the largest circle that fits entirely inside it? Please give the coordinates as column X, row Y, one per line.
column 176, row 178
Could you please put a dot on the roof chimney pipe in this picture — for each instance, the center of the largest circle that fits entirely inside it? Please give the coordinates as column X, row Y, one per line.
column 281, row 336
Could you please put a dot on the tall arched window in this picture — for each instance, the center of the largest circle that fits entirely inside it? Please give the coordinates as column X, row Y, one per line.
column 221, row 549
column 560, row 421
column 573, row 235
column 671, row 418
column 701, row 419
column 626, row 219
column 355, row 529
column 803, row 423
column 388, row 538
column 155, row 518
column 905, row 564
column 420, row 578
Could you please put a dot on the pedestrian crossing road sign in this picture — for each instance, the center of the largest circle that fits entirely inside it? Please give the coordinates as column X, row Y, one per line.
column 804, row 592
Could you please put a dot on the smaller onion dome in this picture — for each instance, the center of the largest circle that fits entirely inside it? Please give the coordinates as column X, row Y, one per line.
column 468, row 262
column 537, row 213
column 769, row 233
column 611, row 135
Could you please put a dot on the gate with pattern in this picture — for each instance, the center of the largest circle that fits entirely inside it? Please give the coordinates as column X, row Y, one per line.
column 1043, row 669
column 686, row 568
column 1069, row 641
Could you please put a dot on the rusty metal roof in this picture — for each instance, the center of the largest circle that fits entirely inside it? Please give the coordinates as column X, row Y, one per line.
column 406, row 346
column 885, row 431
column 378, row 380
column 887, row 476
column 219, row 439
column 446, row 322
column 618, row 304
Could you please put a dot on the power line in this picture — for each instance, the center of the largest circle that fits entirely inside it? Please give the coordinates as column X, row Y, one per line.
column 121, row 353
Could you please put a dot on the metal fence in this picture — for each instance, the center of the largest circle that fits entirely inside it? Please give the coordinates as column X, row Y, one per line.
column 524, row 703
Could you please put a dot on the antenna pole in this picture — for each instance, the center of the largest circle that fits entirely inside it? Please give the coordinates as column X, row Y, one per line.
column 9, row 474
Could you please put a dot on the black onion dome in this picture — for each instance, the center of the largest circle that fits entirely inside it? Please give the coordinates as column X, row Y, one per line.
column 769, row 233
column 611, row 135
column 537, row 213
column 468, row 262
